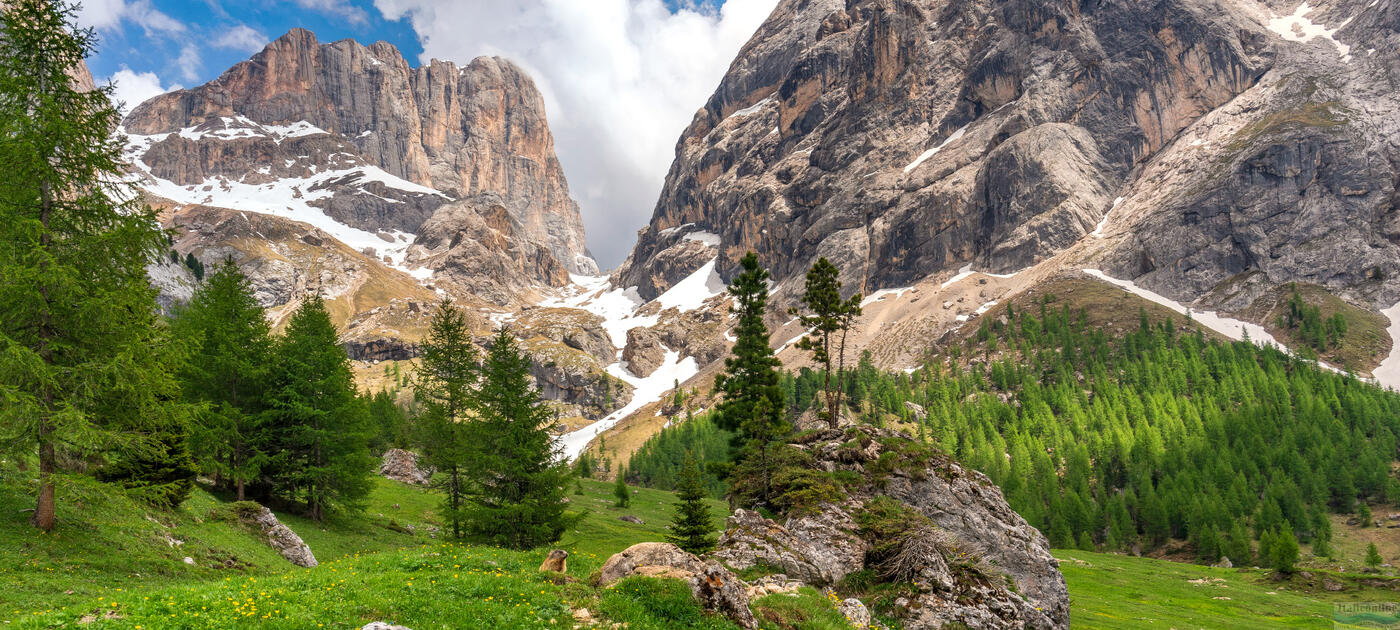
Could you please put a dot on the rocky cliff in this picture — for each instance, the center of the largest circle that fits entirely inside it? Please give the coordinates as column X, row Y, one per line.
column 407, row 162
column 904, row 139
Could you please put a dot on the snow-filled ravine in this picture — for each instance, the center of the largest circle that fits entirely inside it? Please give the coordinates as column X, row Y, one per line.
column 288, row 198
column 1388, row 374
column 618, row 307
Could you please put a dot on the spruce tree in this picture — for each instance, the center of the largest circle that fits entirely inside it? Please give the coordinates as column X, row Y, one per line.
column 519, row 482
column 322, row 428
column 751, row 397
column 1283, row 551
column 445, row 383
column 691, row 525
column 829, row 320
column 231, row 340
column 621, row 493
column 85, row 362
column 1373, row 557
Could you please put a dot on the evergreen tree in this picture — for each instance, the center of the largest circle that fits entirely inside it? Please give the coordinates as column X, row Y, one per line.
column 621, row 493
column 163, row 475
column 389, row 421
column 322, row 428
column 518, row 484
column 1283, row 551
column 1373, row 557
column 229, row 334
column 829, row 321
column 752, row 400
column 85, row 363
column 445, row 385
column 691, row 525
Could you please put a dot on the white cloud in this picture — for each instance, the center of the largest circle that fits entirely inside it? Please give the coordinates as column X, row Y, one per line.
column 109, row 14
column 133, row 88
column 342, row 8
column 189, row 62
column 243, row 38
column 621, row 79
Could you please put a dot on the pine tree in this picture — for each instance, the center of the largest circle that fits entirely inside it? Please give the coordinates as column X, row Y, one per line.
column 1373, row 557
column 517, row 494
column 445, row 383
column 229, row 334
column 163, row 475
column 752, row 400
column 1283, row 551
column 322, row 428
column 85, row 364
column 621, row 493
column 829, row 322
column 691, row 525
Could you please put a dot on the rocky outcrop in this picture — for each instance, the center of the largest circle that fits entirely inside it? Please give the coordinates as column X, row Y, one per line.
column 644, row 352
column 819, row 549
column 571, row 376
column 716, row 588
column 279, row 536
column 464, row 132
column 380, row 349
column 401, row 465
column 973, row 561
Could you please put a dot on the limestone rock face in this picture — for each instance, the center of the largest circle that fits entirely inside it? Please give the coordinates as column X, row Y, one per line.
column 1180, row 143
column 819, row 549
column 280, row 537
column 644, row 352
column 301, row 107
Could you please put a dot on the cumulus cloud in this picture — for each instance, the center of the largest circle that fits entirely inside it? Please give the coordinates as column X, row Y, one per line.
column 621, row 79
column 242, row 38
column 189, row 62
column 130, row 89
column 109, row 14
column 342, row 8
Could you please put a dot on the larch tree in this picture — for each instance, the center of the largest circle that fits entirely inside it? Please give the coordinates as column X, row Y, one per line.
column 751, row 398
column 517, row 495
column 322, row 429
column 85, row 361
column 445, row 383
column 828, row 319
column 226, row 329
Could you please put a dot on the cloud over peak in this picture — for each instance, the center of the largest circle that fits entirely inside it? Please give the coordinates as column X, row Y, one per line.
column 621, row 79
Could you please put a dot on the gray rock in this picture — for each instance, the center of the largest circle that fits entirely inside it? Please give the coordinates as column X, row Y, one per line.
column 628, row 518
column 855, row 612
column 819, row 549
column 401, row 465
column 715, row 587
column 380, row 625
column 279, row 536
column 644, row 352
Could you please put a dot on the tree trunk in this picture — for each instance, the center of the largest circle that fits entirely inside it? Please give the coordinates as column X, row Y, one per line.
column 44, row 517
column 240, row 489
column 841, row 370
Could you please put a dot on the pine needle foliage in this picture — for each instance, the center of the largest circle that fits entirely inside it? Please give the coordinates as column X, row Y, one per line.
column 692, row 527
column 85, row 362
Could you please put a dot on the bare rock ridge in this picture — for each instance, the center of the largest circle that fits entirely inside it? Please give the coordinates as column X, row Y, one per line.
column 383, row 147
column 908, row 138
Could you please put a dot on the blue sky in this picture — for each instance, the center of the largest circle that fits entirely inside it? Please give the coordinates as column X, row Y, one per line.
column 620, row 78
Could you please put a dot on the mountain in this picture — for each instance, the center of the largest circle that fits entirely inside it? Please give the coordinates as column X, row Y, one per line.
column 405, row 164
column 1208, row 150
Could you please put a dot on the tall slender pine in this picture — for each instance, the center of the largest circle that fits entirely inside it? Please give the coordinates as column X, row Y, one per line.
column 445, row 383
column 85, row 363
column 829, row 322
column 752, row 399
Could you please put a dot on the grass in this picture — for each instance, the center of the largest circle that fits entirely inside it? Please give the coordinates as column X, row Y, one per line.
column 1363, row 347
column 1116, row 591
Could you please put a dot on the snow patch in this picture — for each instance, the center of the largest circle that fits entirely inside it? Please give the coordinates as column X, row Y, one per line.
column 1388, row 373
column 645, row 391
column 690, row 293
column 934, row 151
column 1233, row 328
column 617, row 307
column 708, row 238
column 962, row 274
column 1098, row 229
column 880, row 295
column 1298, row 28
column 751, row 110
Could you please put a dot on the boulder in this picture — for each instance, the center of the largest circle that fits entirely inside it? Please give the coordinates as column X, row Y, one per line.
column 644, row 352
column 279, row 536
column 380, row 625
column 628, row 518
column 715, row 587
column 401, row 465
column 817, row 549
column 855, row 612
